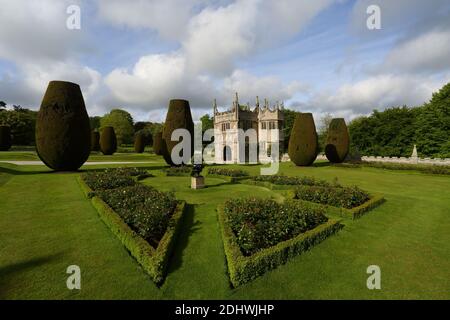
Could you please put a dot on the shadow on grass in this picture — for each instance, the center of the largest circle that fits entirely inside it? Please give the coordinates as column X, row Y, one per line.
column 189, row 228
column 10, row 272
column 322, row 164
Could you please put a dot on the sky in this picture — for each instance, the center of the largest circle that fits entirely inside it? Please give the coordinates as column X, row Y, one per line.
column 316, row 56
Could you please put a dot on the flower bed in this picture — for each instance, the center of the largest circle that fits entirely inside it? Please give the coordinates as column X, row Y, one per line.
column 341, row 197
column 259, row 235
column 146, row 220
column 181, row 171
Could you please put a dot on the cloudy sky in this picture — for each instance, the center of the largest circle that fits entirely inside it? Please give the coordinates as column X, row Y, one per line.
column 316, row 56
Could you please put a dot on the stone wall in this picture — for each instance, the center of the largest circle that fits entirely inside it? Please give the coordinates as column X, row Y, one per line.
column 410, row 160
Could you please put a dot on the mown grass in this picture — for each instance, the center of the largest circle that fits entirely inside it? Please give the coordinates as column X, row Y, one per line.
column 46, row 224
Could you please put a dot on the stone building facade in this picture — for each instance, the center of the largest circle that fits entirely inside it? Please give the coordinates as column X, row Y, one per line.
column 235, row 143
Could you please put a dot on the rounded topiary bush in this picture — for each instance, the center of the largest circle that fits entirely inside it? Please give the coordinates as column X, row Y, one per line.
column 303, row 142
column 139, row 143
column 338, row 141
column 108, row 141
column 5, row 138
column 63, row 134
column 178, row 117
column 95, row 141
column 157, row 144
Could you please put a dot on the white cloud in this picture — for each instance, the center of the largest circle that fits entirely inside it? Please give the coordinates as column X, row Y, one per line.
column 249, row 86
column 426, row 52
column 36, row 30
column 377, row 92
column 217, row 37
column 169, row 17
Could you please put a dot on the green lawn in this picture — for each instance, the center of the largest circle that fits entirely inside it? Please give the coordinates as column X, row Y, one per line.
column 46, row 224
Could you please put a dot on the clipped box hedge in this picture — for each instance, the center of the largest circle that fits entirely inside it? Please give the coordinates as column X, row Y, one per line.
column 153, row 261
column 243, row 269
column 374, row 201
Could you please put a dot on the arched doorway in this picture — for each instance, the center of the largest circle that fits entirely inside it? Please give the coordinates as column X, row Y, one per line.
column 226, row 153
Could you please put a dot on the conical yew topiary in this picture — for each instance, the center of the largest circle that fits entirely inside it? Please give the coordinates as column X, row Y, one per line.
column 178, row 117
column 5, row 138
column 108, row 141
column 303, row 142
column 95, row 141
column 63, row 134
column 157, row 144
column 139, row 143
column 338, row 141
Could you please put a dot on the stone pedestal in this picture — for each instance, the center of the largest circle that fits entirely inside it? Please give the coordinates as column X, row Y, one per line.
column 197, row 182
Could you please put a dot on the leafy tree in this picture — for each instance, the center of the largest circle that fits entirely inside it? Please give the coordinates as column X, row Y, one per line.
column 122, row 122
column 95, row 122
column 433, row 125
column 2, row 105
column 323, row 130
column 22, row 123
column 207, row 122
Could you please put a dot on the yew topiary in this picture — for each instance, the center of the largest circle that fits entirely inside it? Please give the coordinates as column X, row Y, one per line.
column 303, row 142
column 63, row 134
column 95, row 141
column 5, row 138
column 139, row 143
column 338, row 141
column 157, row 144
column 178, row 117
column 108, row 141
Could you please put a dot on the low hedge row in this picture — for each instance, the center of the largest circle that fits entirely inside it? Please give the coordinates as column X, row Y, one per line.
column 153, row 260
column 114, row 178
column 294, row 181
column 342, row 197
column 424, row 168
column 262, row 223
column 235, row 173
column 181, row 171
column 357, row 212
column 243, row 269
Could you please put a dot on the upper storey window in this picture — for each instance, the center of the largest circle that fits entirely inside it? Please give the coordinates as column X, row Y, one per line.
column 225, row 126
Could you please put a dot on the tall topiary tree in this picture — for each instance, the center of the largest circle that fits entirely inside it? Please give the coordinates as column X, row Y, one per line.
column 108, row 141
column 303, row 142
column 95, row 140
column 5, row 138
column 178, row 117
column 157, row 144
column 63, row 134
column 338, row 141
column 139, row 143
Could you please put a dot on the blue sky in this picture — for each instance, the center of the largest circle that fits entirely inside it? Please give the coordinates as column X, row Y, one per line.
column 316, row 56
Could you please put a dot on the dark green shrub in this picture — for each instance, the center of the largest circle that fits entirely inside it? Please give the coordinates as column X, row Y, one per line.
column 262, row 223
column 178, row 117
column 228, row 172
column 63, row 134
column 108, row 141
column 95, row 141
column 146, row 210
column 338, row 141
column 5, row 138
column 157, row 144
column 342, row 197
column 139, row 143
column 303, row 142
